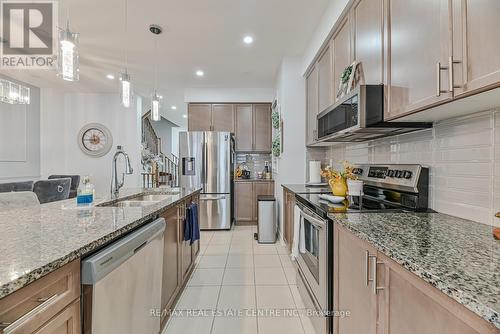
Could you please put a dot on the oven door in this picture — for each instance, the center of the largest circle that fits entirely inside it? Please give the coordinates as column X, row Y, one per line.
column 313, row 262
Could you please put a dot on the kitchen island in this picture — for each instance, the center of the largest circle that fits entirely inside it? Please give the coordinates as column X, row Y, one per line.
column 37, row 241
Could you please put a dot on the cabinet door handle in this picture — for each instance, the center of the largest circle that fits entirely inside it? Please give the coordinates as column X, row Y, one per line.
column 439, row 68
column 8, row 327
column 367, row 267
column 375, row 287
column 497, row 215
column 451, row 73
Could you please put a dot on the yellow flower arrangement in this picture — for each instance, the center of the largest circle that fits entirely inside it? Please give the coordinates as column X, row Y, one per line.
column 337, row 179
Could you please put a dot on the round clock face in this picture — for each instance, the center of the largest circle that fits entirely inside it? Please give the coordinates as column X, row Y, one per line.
column 95, row 139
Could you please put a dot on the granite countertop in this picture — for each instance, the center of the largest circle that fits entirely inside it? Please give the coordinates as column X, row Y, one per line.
column 253, row 180
column 459, row 257
column 37, row 241
column 302, row 189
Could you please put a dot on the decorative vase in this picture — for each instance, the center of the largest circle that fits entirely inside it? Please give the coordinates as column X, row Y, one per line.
column 338, row 186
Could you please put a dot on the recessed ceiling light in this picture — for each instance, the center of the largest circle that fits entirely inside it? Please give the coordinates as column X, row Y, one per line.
column 110, row 76
column 248, row 39
column 200, row 73
column 185, row 116
column 161, row 96
column 173, row 107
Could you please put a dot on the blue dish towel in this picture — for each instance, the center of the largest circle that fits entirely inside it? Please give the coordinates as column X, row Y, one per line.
column 191, row 226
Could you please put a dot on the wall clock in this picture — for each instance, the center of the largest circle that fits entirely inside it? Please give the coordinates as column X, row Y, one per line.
column 95, row 139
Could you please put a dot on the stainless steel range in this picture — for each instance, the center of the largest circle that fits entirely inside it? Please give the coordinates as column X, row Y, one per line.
column 387, row 188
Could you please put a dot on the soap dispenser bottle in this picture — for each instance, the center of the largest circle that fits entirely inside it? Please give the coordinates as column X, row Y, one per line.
column 86, row 191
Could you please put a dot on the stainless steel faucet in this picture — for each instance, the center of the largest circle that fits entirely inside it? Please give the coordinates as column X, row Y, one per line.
column 115, row 184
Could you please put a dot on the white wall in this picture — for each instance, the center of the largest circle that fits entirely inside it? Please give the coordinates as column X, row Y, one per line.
column 325, row 25
column 464, row 159
column 19, row 138
column 62, row 117
column 289, row 168
column 229, row 94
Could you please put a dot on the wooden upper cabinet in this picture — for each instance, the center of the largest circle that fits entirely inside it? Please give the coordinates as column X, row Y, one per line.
column 341, row 46
column 262, row 132
column 311, row 105
column 325, row 88
column 199, row 117
column 476, row 45
column 223, row 117
column 368, row 26
column 415, row 48
column 354, row 292
column 244, row 127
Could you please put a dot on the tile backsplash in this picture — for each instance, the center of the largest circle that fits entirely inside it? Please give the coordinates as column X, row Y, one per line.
column 463, row 155
column 254, row 162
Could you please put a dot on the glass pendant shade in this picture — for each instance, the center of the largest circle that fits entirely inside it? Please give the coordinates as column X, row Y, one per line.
column 67, row 60
column 126, row 90
column 155, row 107
column 14, row 93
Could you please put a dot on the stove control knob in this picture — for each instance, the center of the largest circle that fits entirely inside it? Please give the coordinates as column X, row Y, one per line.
column 408, row 174
column 399, row 174
column 390, row 173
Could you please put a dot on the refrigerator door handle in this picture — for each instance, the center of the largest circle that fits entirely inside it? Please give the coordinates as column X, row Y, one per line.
column 203, row 169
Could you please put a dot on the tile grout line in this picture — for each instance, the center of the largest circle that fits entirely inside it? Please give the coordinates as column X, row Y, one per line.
column 255, row 285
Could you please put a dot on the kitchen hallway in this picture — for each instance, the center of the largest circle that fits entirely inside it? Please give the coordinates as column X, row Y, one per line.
column 234, row 273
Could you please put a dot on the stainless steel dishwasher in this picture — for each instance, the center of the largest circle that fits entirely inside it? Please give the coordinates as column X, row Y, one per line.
column 122, row 284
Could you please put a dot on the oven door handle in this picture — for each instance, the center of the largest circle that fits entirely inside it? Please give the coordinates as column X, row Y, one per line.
column 315, row 221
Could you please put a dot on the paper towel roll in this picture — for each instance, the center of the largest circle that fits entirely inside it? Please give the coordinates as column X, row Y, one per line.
column 314, row 171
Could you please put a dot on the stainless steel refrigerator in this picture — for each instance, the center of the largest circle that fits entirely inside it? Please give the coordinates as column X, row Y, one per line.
column 206, row 161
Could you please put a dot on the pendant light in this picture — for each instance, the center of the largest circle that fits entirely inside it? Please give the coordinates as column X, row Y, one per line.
column 155, row 99
column 126, row 94
column 67, row 60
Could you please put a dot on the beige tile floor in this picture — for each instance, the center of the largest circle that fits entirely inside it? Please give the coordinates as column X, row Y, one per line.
column 236, row 274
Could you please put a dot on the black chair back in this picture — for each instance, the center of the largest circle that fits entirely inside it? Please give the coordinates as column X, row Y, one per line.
column 75, row 182
column 52, row 190
column 16, row 186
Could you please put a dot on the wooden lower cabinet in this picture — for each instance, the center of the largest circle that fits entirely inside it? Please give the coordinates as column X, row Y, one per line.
column 402, row 302
column 66, row 322
column 170, row 280
column 288, row 216
column 33, row 306
column 243, row 201
column 354, row 294
column 245, row 197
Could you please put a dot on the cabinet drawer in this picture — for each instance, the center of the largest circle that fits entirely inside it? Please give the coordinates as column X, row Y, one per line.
column 27, row 309
column 66, row 322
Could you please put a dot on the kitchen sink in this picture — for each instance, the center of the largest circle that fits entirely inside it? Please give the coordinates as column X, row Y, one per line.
column 153, row 198
column 130, row 204
column 140, row 200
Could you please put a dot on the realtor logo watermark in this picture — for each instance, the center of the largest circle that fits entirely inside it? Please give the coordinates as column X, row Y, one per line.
column 28, row 34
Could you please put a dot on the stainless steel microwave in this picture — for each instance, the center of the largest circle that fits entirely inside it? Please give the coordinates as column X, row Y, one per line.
column 359, row 116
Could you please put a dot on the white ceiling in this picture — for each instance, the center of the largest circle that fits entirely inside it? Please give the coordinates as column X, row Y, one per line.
column 198, row 34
